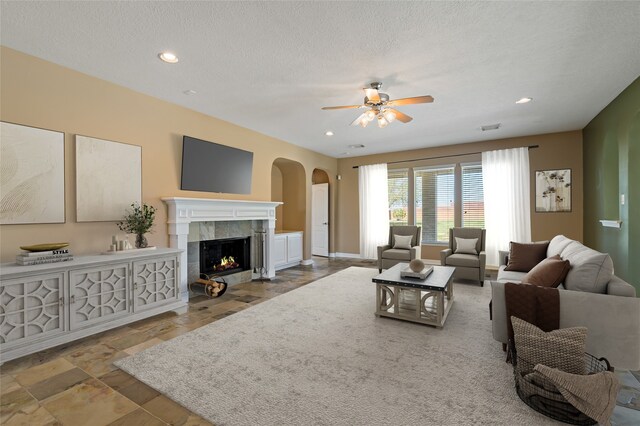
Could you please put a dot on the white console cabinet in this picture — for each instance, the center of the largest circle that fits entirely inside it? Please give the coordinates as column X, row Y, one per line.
column 42, row 306
column 287, row 249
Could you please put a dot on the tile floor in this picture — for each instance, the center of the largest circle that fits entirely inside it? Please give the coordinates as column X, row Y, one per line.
column 77, row 384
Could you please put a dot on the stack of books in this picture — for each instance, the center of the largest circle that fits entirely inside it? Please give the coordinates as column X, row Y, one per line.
column 39, row 257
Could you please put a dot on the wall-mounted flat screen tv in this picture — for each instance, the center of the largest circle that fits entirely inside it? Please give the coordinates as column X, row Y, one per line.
column 210, row 167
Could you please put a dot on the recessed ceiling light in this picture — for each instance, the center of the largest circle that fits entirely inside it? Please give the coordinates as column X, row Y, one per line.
column 524, row 100
column 168, row 57
column 328, row 133
column 356, row 146
column 490, row 127
column 189, row 92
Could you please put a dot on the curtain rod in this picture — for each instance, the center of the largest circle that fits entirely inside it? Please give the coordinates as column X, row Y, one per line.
column 444, row 156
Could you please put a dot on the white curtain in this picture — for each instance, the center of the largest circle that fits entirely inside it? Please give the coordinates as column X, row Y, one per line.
column 507, row 204
column 374, row 209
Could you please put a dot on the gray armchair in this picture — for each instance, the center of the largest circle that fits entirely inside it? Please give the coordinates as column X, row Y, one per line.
column 469, row 266
column 388, row 256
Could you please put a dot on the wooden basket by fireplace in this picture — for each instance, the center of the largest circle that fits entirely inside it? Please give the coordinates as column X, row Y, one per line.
column 213, row 285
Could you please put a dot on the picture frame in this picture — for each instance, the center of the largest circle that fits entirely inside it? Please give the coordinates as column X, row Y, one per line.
column 553, row 191
column 33, row 175
column 108, row 179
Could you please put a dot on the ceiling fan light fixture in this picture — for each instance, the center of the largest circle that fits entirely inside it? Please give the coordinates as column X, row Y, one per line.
column 370, row 115
column 364, row 122
column 382, row 122
column 389, row 115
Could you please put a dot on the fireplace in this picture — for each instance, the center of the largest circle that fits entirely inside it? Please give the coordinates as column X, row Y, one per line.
column 225, row 256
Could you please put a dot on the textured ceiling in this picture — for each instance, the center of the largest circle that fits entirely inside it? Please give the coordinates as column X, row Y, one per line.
column 271, row 66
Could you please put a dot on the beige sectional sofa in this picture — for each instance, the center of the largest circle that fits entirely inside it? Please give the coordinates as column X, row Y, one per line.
column 591, row 296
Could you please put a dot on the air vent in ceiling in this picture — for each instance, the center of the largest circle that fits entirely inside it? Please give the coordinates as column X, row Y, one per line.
column 490, row 127
column 356, row 146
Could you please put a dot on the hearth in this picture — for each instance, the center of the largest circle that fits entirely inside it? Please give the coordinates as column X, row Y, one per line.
column 225, row 256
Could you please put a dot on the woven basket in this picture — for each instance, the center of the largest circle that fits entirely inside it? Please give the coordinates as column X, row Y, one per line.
column 541, row 395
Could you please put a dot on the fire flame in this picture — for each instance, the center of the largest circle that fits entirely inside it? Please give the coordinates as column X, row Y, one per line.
column 227, row 261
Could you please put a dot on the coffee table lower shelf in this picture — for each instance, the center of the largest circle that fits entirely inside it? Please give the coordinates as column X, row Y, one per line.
column 415, row 305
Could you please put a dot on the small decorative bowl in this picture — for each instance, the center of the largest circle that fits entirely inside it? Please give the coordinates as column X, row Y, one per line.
column 44, row 247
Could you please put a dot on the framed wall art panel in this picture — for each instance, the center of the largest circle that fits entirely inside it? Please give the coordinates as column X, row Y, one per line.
column 553, row 191
column 32, row 175
column 108, row 179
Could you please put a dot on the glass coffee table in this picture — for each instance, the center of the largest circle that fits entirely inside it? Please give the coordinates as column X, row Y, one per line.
column 423, row 301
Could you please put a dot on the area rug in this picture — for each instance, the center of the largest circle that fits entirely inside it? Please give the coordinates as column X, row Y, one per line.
column 319, row 356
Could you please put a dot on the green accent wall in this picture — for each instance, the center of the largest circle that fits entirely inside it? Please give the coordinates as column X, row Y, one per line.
column 611, row 160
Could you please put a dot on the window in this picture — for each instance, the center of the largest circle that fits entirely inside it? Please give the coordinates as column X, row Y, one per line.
column 398, row 183
column 472, row 196
column 434, row 198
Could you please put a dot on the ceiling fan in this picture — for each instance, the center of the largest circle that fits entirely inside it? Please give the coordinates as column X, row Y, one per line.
column 380, row 105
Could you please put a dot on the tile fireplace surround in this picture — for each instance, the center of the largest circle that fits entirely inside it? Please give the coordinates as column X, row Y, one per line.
column 184, row 211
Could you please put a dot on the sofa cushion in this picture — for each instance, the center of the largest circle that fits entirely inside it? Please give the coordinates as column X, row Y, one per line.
column 466, row 245
column 557, row 244
column 397, row 254
column 548, row 273
column 590, row 270
column 562, row 349
column 523, row 257
column 509, row 276
column 465, row 260
column 402, row 242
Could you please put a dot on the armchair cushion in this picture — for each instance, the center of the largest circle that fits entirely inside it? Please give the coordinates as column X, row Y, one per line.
column 397, row 254
column 466, row 245
column 466, row 260
column 402, row 241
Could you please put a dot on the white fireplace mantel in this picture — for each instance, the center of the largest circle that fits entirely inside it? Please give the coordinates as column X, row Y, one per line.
column 183, row 211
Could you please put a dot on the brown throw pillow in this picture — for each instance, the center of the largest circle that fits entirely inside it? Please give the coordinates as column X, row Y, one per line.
column 562, row 349
column 551, row 272
column 523, row 257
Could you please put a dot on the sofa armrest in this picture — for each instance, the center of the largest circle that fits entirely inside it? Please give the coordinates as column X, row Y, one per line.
column 483, row 262
column 444, row 254
column 614, row 333
column 503, row 256
column 416, row 252
column 618, row 287
column 381, row 249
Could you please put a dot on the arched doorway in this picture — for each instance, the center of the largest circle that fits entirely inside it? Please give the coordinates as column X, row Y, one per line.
column 288, row 186
column 319, row 213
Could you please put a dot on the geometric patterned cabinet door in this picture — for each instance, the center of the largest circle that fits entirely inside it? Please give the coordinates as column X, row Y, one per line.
column 99, row 294
column 31, row 308
column 155, row 283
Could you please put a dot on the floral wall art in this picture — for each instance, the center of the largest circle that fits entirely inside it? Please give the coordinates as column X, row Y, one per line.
column 553, row 190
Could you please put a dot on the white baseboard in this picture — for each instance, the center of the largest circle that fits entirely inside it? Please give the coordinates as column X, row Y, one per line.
column 306, row 262
column 350, row 255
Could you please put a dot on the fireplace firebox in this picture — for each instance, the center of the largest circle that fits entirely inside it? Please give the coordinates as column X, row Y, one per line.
column 225, row 256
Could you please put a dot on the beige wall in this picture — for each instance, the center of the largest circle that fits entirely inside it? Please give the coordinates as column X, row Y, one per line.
column 556, row 150
column 41, row 94
column 293, row 194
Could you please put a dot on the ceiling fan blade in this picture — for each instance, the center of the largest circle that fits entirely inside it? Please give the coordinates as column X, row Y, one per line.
column 401, row 116
column 410, row 101
column 372, row 95
column 344, row 107
column 358, row 120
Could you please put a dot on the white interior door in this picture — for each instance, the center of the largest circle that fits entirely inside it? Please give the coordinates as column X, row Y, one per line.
column 320, row 219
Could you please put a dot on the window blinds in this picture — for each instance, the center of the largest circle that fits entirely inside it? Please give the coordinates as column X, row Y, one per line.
column 472, row 196
column 398, row 183
column 434, row 197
